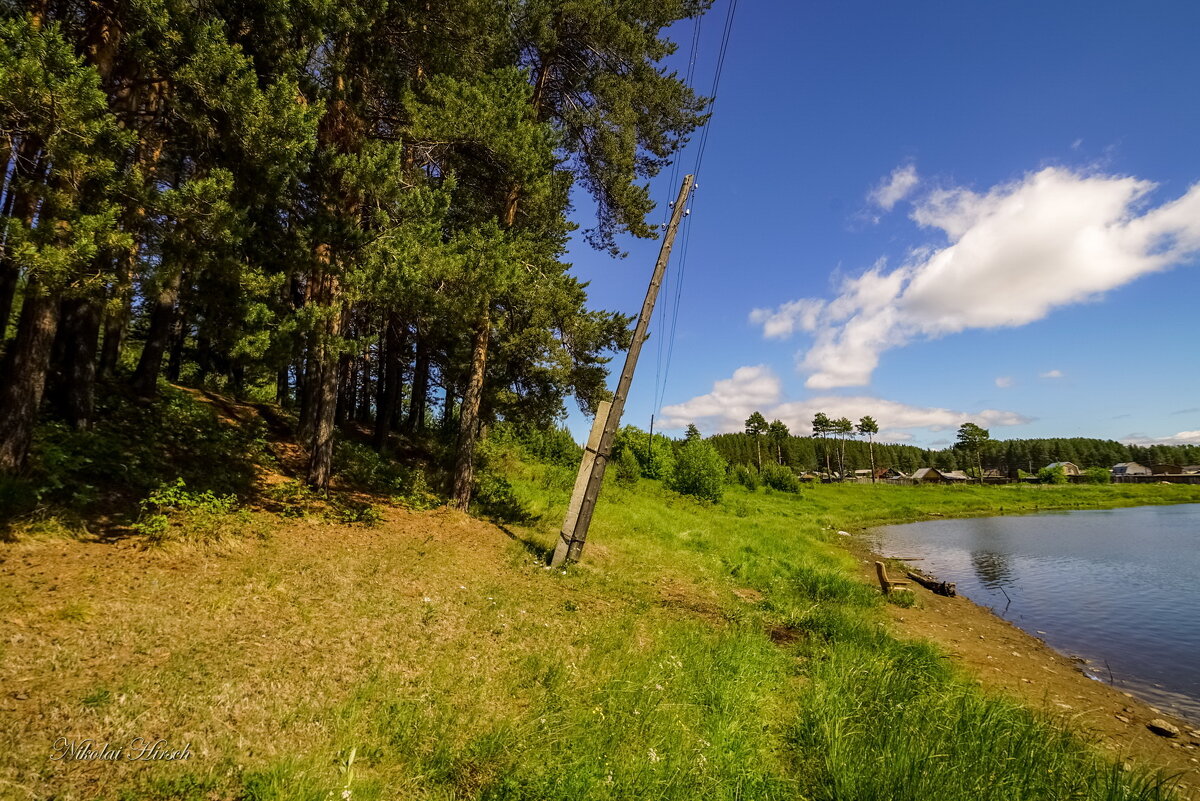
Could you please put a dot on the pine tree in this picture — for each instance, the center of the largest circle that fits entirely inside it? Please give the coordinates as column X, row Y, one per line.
column 756, row 427
column 868, row 427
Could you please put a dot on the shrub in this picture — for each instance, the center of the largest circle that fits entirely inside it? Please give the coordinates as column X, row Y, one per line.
column 174, row 512
column 552, row 446
column 741, row 474
column 494, row 496
column 781, row 478
column 1097, row 475
column 699, row 471
column 628, row 471
column 1052, row 475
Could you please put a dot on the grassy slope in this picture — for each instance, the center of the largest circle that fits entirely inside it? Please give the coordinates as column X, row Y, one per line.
column 699, row 652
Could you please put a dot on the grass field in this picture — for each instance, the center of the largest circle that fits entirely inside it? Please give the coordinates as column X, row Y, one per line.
column 722, row 651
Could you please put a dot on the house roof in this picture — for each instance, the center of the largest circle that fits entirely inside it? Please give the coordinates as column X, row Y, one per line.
column 955, row 474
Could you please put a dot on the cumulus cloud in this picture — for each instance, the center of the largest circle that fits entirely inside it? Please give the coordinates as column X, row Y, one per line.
column 1051, row 374
column 752, row 389
column 1004, row 381
column 731, row 399
column 895, row 187
column 1013, row 254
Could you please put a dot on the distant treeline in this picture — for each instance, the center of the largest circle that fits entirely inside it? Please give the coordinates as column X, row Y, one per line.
column 1007, row 456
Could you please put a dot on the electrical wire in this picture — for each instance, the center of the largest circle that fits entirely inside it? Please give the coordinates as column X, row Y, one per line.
column 665, row 371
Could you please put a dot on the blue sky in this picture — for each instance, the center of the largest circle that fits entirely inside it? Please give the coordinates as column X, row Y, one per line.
column 933, row 213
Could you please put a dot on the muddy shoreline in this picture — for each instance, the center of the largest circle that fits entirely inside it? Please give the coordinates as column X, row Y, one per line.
column 1003, row 657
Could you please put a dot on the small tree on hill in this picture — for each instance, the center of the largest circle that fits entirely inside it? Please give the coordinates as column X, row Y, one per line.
column 821, row 428
column 699, row 471
column 843, row 428
column 971, row 440
column 870, row 428
column 778, row 433
column 756, row 426
column 628, row 468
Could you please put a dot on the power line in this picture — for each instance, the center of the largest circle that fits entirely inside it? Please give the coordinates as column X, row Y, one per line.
column 659, row 381
column 730, row 13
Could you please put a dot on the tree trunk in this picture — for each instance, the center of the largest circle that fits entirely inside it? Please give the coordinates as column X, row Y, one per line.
column 179, row 332
column 282, row 387
column 306, row 391
column 326, row 369
column 204, row 356
column 468, row 423
column 448, row 411
column 389, row 382
column 24, row 375
column 420, row 387
column 347, row 374
column 74, row 385
column 162, row 320
column 871, row 441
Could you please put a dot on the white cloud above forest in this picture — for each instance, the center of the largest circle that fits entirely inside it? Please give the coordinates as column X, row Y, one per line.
column 1011, row 256
column 1051, row 374
column 758, row 388
column 1181, row 438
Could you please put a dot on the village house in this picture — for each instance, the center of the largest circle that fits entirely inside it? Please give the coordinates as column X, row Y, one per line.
column 1068, row 468
column 931, row 475
column 1130, row 469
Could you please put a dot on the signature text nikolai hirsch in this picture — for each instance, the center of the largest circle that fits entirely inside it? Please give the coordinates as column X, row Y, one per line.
column 139, row 749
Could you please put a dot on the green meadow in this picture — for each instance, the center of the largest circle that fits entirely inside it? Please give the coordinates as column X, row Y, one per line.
column 716, row 651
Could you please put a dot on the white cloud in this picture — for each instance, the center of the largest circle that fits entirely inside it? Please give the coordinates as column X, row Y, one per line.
column 795, row 315
column 731, row 399
column 1051, row 374
column 757, row 388
column 1014, row 254
column 895, row 187
column 1004, row 381
column 1182, row 438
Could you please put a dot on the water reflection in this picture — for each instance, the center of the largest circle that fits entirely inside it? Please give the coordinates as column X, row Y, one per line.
column 993, row 569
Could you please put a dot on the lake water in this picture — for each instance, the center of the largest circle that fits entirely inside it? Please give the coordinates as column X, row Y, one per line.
column 1120, row 587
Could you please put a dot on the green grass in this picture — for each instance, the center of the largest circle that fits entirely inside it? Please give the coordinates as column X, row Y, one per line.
column 716, row 651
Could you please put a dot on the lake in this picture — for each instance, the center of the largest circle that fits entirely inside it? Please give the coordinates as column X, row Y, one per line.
column 1118, row 587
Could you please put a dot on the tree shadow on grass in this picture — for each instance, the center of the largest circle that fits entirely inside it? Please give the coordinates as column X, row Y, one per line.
column 536, row 549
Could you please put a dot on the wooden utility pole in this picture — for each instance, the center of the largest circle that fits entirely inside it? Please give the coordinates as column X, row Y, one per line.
column 599, row 446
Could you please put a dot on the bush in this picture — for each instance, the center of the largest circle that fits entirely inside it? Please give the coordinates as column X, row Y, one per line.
column 135, row 448
column 699, row 471
column 173, row 512
column 1052, row 475
column 552, row 446
column 1097, row 475
column 781, row 478
column 743, row 475
column 628, row 471
column 494, row 497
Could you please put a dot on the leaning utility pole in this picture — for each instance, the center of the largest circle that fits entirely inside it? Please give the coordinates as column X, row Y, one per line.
column 608, row 416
